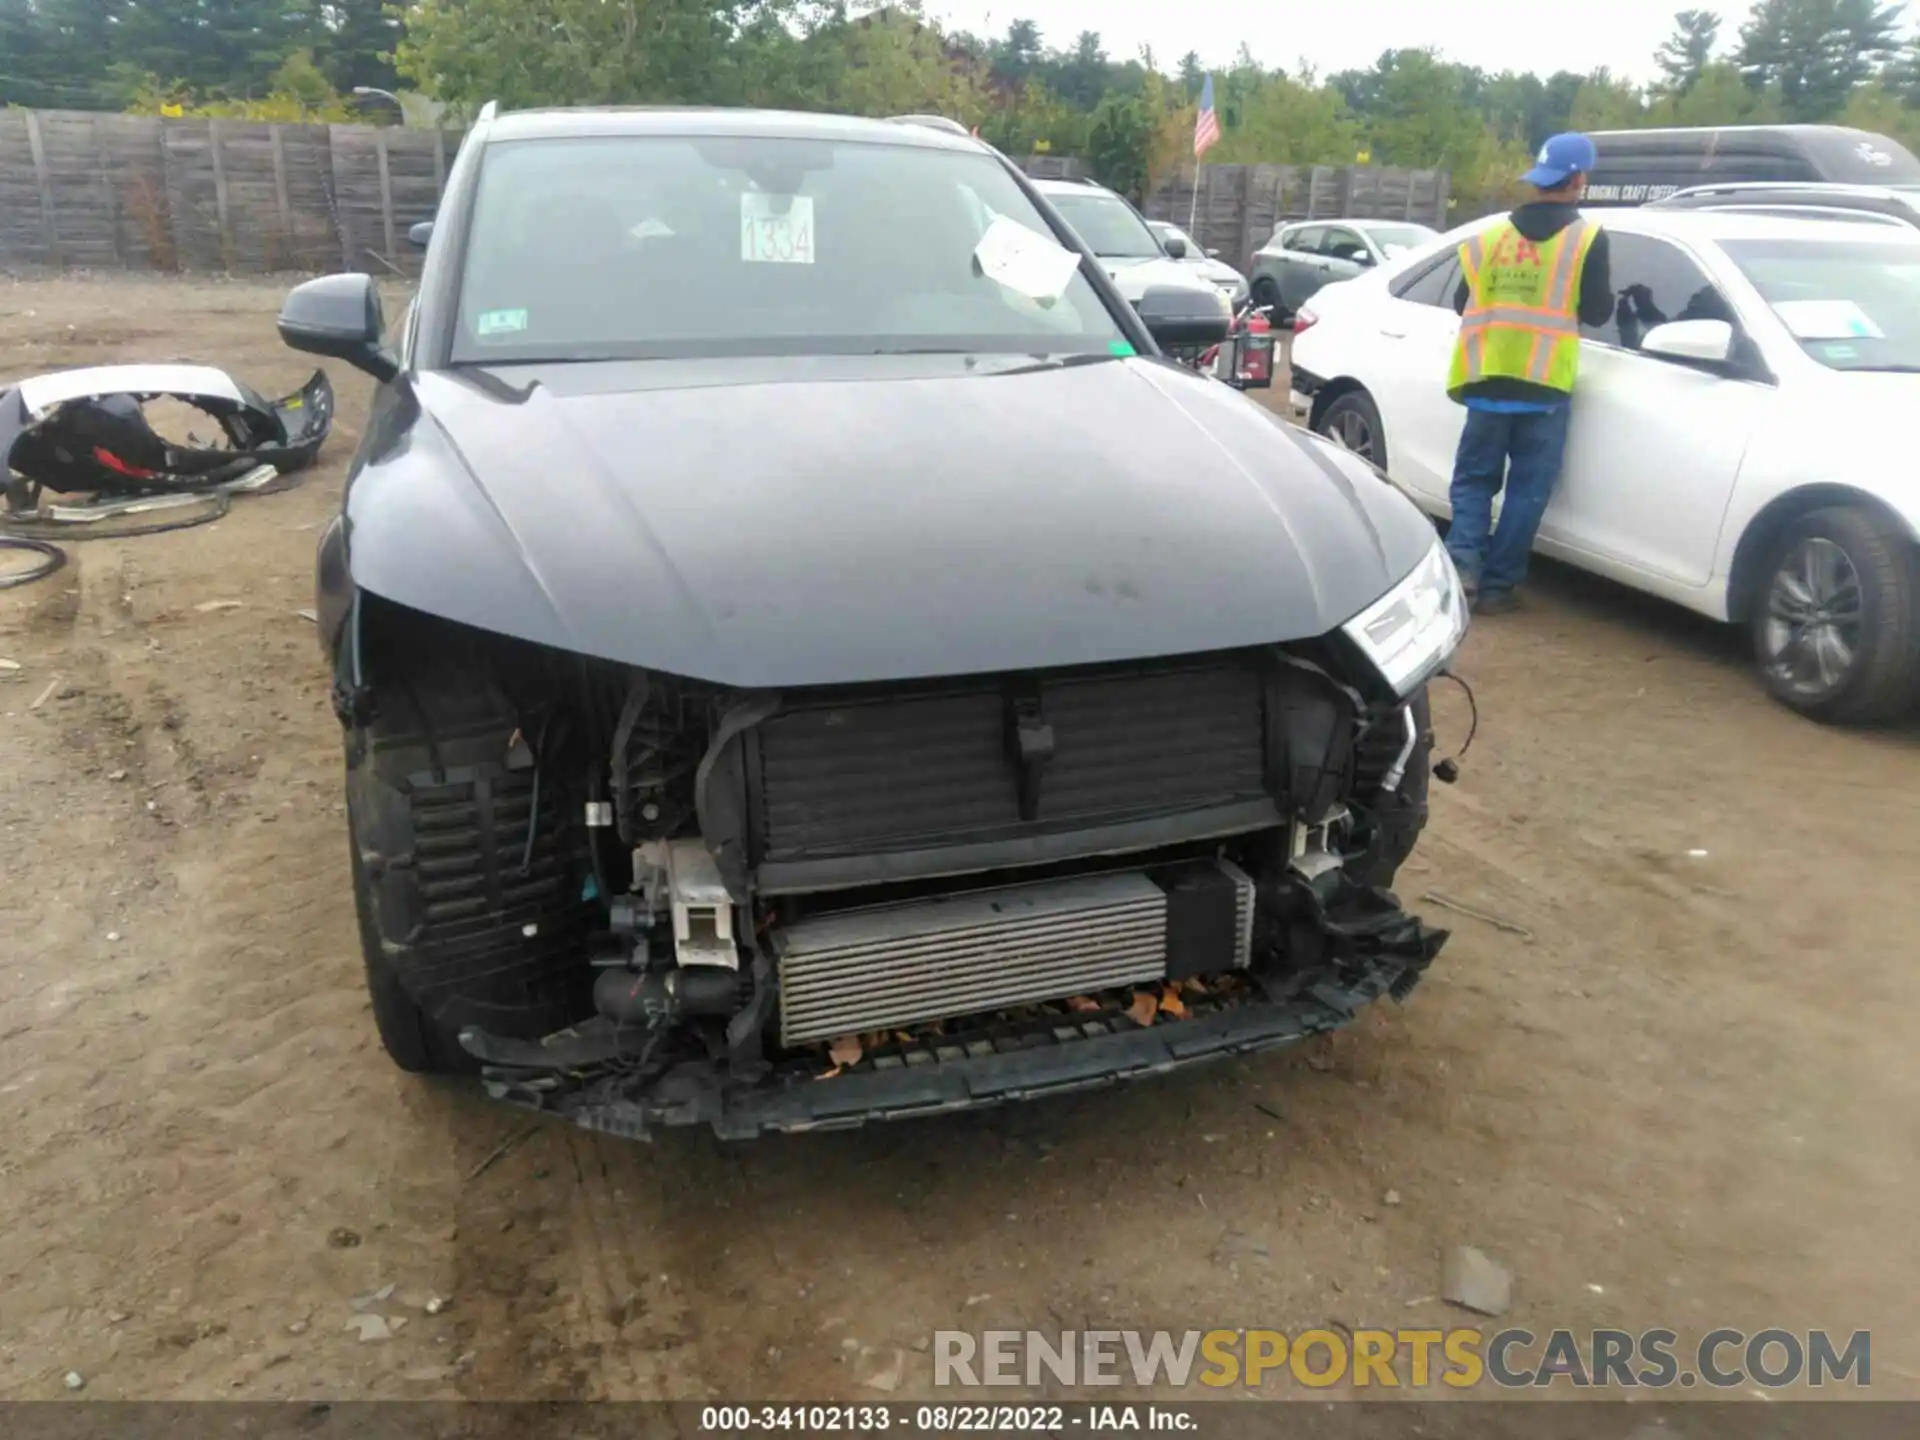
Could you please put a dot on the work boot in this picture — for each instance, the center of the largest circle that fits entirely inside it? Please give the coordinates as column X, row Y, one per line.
column 1496, row 602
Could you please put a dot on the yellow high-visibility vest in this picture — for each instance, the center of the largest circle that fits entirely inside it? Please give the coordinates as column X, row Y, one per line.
column 1522, row 320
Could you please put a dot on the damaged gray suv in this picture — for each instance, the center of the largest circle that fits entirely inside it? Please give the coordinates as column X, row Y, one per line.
column 806, row 656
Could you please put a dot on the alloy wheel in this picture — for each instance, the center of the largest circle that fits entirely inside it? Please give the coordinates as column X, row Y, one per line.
column 1816, row 620
column 1349, row 429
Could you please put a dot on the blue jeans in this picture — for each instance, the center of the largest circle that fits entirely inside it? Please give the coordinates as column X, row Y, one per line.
column 1523, row 450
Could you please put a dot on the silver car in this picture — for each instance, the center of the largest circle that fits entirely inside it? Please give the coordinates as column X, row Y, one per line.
column 1207, row 264
column 1303, row 256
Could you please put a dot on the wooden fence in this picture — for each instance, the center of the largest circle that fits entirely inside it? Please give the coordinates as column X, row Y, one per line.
column 1239, row 205
column 80, row 190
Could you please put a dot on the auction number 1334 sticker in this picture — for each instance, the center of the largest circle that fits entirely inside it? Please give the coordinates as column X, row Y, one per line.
column 776, row 229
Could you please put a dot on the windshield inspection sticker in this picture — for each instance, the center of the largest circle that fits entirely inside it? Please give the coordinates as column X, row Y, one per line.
column 770, row 235
column 1026, row 263
column 500, row 322
column 1827, row 320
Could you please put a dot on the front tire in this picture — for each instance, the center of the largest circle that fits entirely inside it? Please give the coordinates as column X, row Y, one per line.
column 468, row 878
column 1836, row 620
column 1265, row 293
column 1352, row 421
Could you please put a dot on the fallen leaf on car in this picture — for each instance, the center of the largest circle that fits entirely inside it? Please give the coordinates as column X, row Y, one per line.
column 1170, row 1003
column 1145, row 1006
column 1083, row 1004
column 845, row 1051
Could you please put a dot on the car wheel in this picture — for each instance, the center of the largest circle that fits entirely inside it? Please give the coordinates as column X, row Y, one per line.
column 1352, row 421
column 1835, row 627
column 469, row 877
column 1266, row 293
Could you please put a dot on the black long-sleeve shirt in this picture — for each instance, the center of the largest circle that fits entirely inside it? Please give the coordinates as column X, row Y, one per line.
column 1541, row 220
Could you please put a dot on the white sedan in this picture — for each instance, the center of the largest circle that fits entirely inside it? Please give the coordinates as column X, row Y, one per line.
column 1741, row 442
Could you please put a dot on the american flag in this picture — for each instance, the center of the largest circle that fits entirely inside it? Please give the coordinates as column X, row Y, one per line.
column 1206, row 128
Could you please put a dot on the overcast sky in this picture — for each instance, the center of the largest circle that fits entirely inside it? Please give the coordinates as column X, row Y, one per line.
column 1543, row 35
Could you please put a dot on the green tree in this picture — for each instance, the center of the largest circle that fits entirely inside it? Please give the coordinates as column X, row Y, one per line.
column 1417, row 115
column 1687, row 51
column 1285, row 120
column 546, row 52
column 1878, row 106
column 1120, row 144
column 1015, row 57
column 1816, row 51
column 358, row 49
column 1193, row 75
column 1604, row 103
column 1719, row 95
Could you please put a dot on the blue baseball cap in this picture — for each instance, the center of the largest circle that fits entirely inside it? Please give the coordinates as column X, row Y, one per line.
column 1560, row 159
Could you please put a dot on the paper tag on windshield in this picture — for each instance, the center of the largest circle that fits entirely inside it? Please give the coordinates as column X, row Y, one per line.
column 1026, row 263
column 1827, row 320
column 770, row 235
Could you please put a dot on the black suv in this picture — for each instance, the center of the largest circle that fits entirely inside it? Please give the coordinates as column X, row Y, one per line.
column 806, row 656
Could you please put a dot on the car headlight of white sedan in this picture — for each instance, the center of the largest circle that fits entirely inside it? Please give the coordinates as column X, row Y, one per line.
column 1413, row 629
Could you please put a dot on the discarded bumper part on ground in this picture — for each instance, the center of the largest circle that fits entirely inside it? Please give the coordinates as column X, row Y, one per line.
column 85, row 431
column 610, row 1078
column 52, row 558
column 121, row 519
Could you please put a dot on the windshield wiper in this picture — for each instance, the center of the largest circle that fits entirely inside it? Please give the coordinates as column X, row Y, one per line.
column 1885, row 369
column 1059, row 362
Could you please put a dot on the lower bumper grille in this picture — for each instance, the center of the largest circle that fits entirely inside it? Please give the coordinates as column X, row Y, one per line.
column 891, row 965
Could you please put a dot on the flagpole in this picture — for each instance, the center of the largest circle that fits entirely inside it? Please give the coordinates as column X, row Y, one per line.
column 1193, row 210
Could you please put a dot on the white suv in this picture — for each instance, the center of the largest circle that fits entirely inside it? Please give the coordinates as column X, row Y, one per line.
column 1742, row 433
column 1118, row 236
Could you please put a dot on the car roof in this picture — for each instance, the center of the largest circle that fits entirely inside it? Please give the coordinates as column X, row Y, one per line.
column 1717, row 225
column 639, row 120
column 1070, row 187
column 1352, row 222
column 1836, row 189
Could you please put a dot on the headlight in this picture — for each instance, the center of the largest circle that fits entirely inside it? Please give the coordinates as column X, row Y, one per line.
column 1410, row 632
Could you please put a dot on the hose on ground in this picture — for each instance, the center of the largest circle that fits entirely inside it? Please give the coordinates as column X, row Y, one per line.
column 52, row 558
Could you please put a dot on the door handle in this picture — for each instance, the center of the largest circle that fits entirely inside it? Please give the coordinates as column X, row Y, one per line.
column 1393, row 334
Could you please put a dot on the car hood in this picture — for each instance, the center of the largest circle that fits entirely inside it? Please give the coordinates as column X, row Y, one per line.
column 786, row 523
column 1134, row 277
column 1218, row 272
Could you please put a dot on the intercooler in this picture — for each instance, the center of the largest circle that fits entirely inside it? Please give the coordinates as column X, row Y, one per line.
column 861, row 970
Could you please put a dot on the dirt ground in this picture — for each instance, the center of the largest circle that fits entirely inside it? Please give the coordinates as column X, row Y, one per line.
column 1685, row 1098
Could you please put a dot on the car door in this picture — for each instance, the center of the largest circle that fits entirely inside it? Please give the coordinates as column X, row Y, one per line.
column 1417, row 327
column 1345, row 254
column 1654, row 444
column 1302, row 267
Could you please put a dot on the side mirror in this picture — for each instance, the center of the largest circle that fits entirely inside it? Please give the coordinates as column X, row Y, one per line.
column 419, row 234
column 1363, row 258
column 339, row 316
column 1178, row 317
column 1175, row 247
column 1709, row 340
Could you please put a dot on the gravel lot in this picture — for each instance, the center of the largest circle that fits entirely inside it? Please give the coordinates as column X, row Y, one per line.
column 1685, row 1098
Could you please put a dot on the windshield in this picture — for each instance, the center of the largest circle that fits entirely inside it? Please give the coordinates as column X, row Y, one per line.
column 1399, row 239
column 658, row 246
column 1851, row 305
column 1108, row 226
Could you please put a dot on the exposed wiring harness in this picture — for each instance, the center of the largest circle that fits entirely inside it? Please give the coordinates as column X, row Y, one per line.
column 1447, row 771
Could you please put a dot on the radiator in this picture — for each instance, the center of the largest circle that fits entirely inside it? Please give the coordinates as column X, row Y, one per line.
column 900, row 770
column 883, row 966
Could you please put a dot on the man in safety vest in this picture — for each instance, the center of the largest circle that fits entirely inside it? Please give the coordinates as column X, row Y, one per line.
column 1527, row 286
